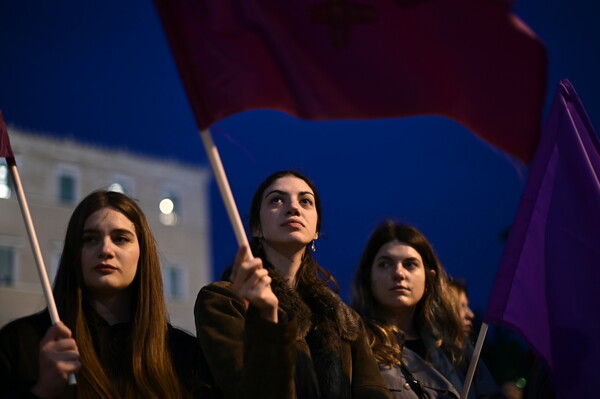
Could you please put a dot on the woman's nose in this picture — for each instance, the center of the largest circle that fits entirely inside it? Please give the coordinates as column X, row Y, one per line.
column 106, row 248
column 399, row 271
column 470, row 314
column 293, row 207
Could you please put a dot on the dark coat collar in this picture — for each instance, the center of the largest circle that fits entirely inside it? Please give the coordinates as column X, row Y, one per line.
column 325, row 322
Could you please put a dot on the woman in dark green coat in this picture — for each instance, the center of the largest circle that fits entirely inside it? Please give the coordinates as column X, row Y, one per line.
column 281, row 304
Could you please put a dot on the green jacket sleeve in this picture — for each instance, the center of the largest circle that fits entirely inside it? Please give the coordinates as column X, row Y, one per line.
column 248, row 356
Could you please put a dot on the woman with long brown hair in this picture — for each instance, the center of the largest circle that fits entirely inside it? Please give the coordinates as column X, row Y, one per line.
column 312, row 344
column 114, row 332
column 402, row 292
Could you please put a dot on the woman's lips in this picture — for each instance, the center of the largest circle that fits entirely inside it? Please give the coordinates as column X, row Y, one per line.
column 293, row 223
column 102, row 268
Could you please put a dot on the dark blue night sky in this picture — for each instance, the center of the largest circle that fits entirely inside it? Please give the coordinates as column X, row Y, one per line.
column 101, row 72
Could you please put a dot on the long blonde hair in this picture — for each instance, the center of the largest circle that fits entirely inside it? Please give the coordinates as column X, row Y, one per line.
column 152, row 370
column 386, row 342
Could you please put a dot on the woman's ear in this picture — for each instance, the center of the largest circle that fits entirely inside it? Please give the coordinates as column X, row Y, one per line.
column 316, row 236
column 433, row 272
column 256, row 232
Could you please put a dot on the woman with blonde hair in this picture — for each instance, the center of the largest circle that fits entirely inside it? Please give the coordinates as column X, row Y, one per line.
column 459, row 287
column 114, row 332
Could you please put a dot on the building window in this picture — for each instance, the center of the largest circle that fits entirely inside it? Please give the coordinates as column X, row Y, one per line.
column 6, row 184
column 116, row 187
column 174, row 278
column 7, row 266
column 170, row 208
column 66, row 189
column 122, row 184
column 68, row 179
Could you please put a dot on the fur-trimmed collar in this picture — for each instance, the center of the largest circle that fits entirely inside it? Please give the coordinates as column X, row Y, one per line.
column 324, row 321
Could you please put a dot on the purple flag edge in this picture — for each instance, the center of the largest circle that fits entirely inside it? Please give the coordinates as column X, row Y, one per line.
column 572, row 238
column 544, row 163
column 5, row 148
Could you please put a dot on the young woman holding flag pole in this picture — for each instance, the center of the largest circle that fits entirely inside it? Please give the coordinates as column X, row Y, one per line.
column 313, row 345
column 6, row 152
column 108, row 288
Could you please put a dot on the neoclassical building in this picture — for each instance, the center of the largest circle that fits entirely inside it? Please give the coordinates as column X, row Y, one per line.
column 56, row 174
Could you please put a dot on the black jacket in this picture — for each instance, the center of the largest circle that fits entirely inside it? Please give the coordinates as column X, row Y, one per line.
column 19, row 347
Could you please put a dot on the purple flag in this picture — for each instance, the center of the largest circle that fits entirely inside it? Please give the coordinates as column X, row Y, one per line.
column 5, row 150
column 548, row 284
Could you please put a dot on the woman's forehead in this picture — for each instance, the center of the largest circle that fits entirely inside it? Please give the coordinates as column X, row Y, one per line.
column 399, row 249
column 289, row 184
column 108, row 217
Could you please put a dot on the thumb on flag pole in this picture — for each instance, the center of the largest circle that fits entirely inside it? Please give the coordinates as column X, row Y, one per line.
column 6, row 152
column 226, row 194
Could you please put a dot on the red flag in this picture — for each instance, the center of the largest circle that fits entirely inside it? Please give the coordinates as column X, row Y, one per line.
column 5, row 149
column 469, row 60
column 548, row 284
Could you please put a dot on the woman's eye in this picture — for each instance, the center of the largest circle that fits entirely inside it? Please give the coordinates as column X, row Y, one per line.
column 276, row 200
column 383, row 265
column 89, row 239
column 121, row 239
column 411, row 265
column 306, row 201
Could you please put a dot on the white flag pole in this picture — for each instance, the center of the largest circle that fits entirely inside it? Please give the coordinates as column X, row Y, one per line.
column 223, row 183
column 35, row 246
column 474, row 360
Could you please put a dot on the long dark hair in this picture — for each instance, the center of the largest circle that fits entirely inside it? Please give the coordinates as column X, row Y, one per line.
column 153, row 373
column 435, row 313
column 310, row 271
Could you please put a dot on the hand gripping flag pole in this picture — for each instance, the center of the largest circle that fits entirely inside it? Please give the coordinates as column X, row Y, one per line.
column 6, row 152
column 232, row 211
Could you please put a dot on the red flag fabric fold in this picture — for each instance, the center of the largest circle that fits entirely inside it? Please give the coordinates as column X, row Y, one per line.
column 5, row 148
column 548, row 284
column 469, row 60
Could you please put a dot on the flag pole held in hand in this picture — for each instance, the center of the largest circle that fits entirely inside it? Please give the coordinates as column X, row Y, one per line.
column 232, row 211
column 6, row 152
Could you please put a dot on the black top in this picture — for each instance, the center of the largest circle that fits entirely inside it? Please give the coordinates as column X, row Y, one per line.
column 417, row 346
column 19, row 346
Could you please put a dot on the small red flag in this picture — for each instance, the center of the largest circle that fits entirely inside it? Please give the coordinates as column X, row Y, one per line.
column 5, row 149
column 469, row 60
